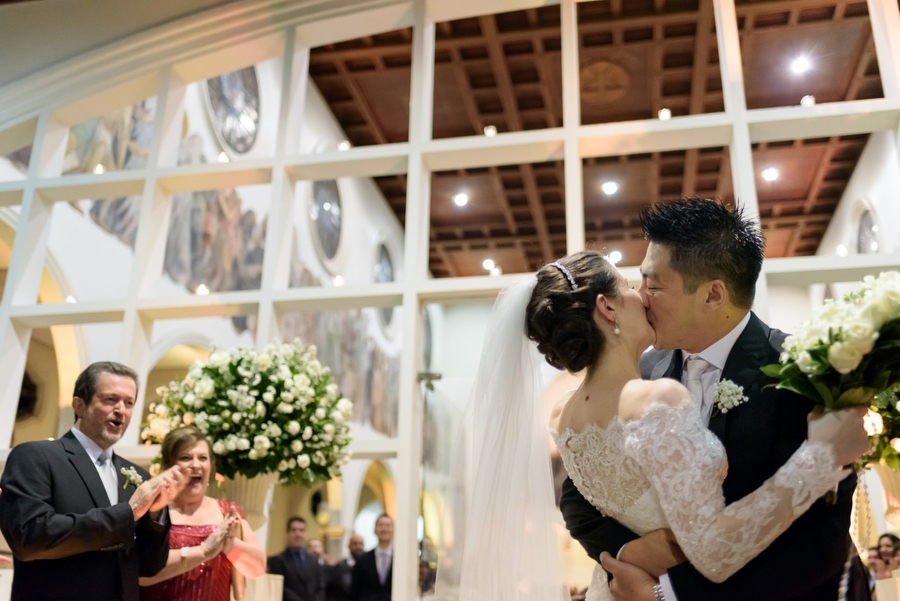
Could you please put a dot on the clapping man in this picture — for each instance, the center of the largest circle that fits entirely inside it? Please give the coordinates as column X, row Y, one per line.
column 82, row 522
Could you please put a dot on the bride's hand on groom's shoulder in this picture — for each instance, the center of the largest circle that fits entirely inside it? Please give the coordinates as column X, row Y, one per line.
column 628, row 583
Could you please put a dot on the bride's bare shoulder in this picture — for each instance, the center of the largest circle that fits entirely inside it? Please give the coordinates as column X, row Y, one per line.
column 640, row 394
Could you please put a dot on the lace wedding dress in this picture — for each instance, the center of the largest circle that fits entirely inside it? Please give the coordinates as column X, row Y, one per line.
column 664, row 471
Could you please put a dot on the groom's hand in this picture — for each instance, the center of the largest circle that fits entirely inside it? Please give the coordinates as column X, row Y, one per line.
column 629, row 583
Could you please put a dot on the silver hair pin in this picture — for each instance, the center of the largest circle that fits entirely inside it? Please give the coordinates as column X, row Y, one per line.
column 567, row 274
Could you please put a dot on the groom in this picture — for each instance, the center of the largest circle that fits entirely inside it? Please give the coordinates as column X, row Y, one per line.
column 699, row 278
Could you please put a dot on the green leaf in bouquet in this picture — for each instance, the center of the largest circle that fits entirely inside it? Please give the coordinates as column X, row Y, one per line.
column 824, row 391
column 802, row 386
column 863, row 396
column 773, row 370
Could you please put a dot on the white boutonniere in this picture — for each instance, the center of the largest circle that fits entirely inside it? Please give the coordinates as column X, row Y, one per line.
column 131, row 477
column 728, row 396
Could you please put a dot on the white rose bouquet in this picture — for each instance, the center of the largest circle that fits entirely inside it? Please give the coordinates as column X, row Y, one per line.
column 276, row 410
column 847, row 354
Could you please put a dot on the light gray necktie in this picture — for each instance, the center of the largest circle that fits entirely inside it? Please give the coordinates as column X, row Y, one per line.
column 108, row 476
column 382, row 558
column 696, row 367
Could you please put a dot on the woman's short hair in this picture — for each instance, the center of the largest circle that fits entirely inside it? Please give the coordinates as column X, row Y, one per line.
column 180, row 440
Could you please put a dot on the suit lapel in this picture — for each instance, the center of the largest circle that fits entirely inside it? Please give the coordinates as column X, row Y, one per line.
column 743, row 368
column 126, row 489
column 86, row 469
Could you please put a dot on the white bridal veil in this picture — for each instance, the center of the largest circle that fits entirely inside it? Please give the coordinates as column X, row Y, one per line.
column 498, row 541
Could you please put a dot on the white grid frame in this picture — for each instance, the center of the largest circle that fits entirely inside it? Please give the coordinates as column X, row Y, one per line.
column 40, row 108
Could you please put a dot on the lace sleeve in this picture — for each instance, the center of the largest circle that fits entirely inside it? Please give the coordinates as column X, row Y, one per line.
column 682, row 460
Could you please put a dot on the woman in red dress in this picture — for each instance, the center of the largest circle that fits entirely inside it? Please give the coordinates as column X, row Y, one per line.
column 203, row 543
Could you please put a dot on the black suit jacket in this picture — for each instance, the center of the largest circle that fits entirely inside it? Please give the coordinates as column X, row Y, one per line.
column 67, row 541
column 306, row 583
column 806, row 562
column 340, row 581
column 366, row 584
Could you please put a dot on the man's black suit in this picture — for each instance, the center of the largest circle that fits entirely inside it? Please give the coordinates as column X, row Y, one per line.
column 68, row 542
column 366, row 584
column 340, row 581
column 303, row 582
column 803, row 564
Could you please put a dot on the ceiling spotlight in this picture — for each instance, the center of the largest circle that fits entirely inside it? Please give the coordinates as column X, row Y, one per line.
column 344, row 145
column 223, row 158
column 609, row 188
column 841, row 250
column 71, row 299
column 770, row 174
column 665, row 114
column 490, row 130
column 338, row 280
column 461, row 199
column 875, row 227
column 496, row 271
column 488, row 264
column 614, row 257
column 98, row 169
column 808, row 100
column 800, row 65
column 202, row 290
column 873, row 246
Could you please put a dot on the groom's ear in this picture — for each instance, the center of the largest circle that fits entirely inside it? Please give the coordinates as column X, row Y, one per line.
column 716, row 294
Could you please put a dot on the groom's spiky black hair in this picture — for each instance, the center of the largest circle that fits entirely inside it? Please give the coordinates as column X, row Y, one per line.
column 708, row 241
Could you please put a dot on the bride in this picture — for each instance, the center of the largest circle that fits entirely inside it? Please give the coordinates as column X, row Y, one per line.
column 637, row 450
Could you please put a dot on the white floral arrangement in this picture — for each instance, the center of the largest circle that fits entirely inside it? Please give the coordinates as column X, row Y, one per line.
column 848, row 354
column 728, row 396
column 131, row 477
column 275, row 410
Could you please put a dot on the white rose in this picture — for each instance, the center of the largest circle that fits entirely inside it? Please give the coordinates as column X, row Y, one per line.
column 253, row 454
column 237, row 417
column 337, row 417
column 345, row 406
column 285, row 407
column 806, row 364
column 219, row 359
column 292, row 463
column 307, row 433
column 268, row 397
column 282, row 465
column 287, row 397
column 219, row 447
column 320, row 413
column 289, row 382
column 191, row 401
column 231, row 444
column 243, row 444
column 329, row 429
column 895, row 442
column 263, row 362
column 293, row 428
column 274, row 431
column 303, row 461
column 204, row 388
column 260, row 409
column 261, row 443
column 296, row 446
column 844, row 357
column 331, row 390
column 302, row 381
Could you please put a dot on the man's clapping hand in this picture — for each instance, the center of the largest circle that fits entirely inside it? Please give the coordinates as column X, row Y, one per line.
column 155, row 493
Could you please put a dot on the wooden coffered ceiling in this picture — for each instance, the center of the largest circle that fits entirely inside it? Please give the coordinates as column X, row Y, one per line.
column 636, row 57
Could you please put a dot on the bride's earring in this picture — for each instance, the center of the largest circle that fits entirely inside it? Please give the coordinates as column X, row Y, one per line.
column 616, row 329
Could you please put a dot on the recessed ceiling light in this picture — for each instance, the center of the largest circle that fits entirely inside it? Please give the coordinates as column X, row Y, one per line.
column 344, row 145
column 202, row 290
column 98, row 169
column 841, row 250
column 609, row 188
column 461, row 199
column 770, row 174
column 800, row 65
column 488, row 264
column 490, row 130
column 665, row 114
column 71, row 299
column 873, row 246
column 338, row 280
column 615, row 256
column 496, row 271
column 808, row 100
column 223, row 158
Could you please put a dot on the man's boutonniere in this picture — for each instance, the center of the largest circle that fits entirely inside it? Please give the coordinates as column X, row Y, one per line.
column 131, row 477
column 728, row 396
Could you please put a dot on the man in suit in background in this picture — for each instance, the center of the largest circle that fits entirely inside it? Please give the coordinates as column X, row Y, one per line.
column 699, row 278
column 303, row 577
column 340, row 578
column 78, row 527
column 373, row 572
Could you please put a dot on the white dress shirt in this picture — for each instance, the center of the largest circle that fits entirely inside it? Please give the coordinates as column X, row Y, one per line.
column 716, row 355
column 106, row 471
column 383, row 558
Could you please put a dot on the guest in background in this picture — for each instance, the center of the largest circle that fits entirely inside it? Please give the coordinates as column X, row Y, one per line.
column 317, row 550
column 303, row 577
column 373, row 572
column 209, row 536
column 887, row 546
column 340, row 577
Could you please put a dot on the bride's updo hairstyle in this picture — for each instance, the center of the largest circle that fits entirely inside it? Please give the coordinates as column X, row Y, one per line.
column 560, row 314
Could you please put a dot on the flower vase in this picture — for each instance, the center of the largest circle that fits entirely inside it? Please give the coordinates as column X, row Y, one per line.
column 250, row 494
column 890, row 480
